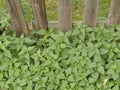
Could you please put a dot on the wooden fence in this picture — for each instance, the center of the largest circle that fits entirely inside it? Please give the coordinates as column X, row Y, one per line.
column 64, row 15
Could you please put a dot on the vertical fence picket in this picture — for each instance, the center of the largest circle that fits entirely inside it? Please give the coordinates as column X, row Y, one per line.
column 39, row 11
column 114, row 13
column 65, row 15
column 91, row 12
column 16, row 13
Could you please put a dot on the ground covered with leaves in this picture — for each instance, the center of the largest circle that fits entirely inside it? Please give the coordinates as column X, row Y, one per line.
column 82, row 59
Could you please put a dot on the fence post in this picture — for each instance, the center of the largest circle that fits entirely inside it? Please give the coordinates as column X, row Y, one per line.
column 18, row 20
column 65, row 15
column 39, row 11
column 91, row 12
column 114, row 14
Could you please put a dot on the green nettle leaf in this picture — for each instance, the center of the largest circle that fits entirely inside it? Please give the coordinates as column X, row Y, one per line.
column 7, row 43
column 66, row 40
column 29, row 86
column 27, row 57
column 60, row 76
column 22, row 52
column 31, row 48
column 116, row 50
column 29, row 41
column 114, row 66
column 55, row 56
column 91, row 80
column 17, row 64
column 90, row 54
column 76, row 32
column 11, row 72
column 60, row 33
column 36, row 78
column 55, row 37
column 99, row 85
column 95, row 76
column 110, row 84
column 91, row 87
column 115, row 76
column 1, row 85
column 37, row 87
column 116, row 87
column 7, row 53
column 84, row 52
column 47, row 62
column 19, row 88
column 23, row 82
column 56, row 65
column 64, row 83
column 2, row 46
column 1, row 76
column 80, row 88
column 88, row 72
column 110, row 71
column 70, row 78
column 93, row 65
column 68, row 71
column 74, row 70
column 42, row 32
column 44, row 79
column 103, row 51
column 18, row 47
column 50, row 86
column 72, row 85
column 63, row 45
column 101, row 69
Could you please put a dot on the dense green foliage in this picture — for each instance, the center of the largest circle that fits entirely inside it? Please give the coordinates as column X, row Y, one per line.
column 82, row 59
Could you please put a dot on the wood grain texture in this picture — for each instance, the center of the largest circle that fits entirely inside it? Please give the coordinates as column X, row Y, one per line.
column 90, row 12
column 114, row 14
column 39, row 11
column 16, row 13
column 65, row 15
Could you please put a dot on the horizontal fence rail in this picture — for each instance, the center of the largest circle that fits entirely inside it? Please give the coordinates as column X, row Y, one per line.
column 64, row 22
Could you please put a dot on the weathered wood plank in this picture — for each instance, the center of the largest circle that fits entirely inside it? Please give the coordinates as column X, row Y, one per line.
column 65, row 15
column 39, row 11
column 114, row 14
column 16, row 13
column 90, row 12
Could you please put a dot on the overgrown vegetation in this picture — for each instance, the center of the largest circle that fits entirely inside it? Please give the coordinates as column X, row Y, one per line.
column 82, row 59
